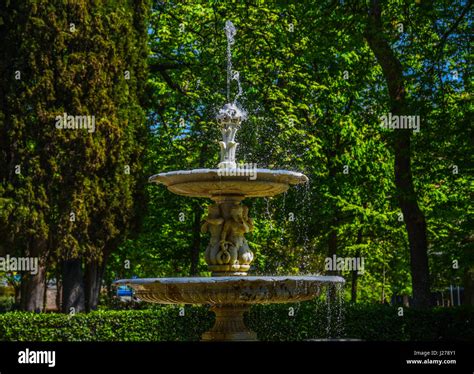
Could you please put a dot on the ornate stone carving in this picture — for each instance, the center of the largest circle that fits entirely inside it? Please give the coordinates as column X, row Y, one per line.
column 230, row 290
column 213, row 223
column 228, row 251
column 229, row 119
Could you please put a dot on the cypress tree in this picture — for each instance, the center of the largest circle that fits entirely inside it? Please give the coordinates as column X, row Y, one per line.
column 69, row 195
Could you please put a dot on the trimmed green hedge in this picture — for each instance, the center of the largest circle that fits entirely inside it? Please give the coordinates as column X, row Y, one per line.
column 366, row 322
column 163, row 324
column 6, row 303
column 271, row 322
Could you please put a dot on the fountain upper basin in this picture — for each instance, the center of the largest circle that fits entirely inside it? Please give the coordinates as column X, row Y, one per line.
column 215, row 182
column 229, row 290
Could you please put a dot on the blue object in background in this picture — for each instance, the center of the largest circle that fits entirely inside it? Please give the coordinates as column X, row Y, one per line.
column 123, row 291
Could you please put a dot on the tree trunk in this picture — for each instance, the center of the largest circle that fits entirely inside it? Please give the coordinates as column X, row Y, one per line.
column 415, row 223
column 33, row 286
column 196, row 242
column 413, row 216
column 17, row 295
column 59, row 293
column 94, row 272
column 73, row 286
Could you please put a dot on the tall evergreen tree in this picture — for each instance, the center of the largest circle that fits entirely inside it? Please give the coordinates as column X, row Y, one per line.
column 76, row 193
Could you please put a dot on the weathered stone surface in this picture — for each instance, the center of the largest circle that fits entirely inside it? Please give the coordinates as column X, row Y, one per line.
column 211, row 183
column 228, row 251
column 229, row 290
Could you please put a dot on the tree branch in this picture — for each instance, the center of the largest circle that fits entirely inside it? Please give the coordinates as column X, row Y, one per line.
column 444, row 38
column 158, row 67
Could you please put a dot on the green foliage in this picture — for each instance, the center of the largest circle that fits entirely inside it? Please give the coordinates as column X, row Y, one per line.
column 72, row 171
column 163, row 324
column 6, row 303
column 361, row 321
column 307, row 114
column 82, row 59
column 271, row 322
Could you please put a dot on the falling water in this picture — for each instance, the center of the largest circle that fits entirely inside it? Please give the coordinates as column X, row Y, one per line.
column 268, row 214
column 329, row 312
column 230, row 32
column 302, row 228
column 236, row 77
column 285, row 217
column 335, row 310
column 305, row 224
column 340, row 309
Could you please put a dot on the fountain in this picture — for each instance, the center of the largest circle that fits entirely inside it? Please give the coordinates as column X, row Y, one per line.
column 229, row 291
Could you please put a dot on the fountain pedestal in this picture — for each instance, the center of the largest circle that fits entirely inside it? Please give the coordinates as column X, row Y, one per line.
column 229, row 324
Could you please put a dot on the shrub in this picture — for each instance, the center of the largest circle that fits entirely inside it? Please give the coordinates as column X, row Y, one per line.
column 6, row 303
column 162, row 324
column 311, row 320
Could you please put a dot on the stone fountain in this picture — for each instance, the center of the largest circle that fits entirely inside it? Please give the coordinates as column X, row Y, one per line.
column 229, row 291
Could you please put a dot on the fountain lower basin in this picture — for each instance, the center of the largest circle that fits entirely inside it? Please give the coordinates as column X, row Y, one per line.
column 225, row 290
column 229, row 297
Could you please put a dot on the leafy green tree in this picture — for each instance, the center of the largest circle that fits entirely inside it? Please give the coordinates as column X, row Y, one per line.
column 316, row 78
column 315, row 83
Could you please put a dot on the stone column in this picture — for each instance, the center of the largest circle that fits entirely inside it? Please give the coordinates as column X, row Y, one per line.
column 229, row 324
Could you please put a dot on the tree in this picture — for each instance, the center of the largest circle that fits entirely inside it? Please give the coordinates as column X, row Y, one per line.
column 413, row 216
column 79, row 191
column 315, row 90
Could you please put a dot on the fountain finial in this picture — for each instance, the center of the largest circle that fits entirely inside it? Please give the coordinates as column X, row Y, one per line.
column 229, row 119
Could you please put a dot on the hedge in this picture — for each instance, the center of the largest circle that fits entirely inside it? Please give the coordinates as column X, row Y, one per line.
column 363, row 322
column 6, row 303
column 270, row 322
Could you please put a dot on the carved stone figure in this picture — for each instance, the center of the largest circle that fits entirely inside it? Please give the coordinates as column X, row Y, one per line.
column 228, row 250
column 234, row 246
column 245, row 255
column 213, row 224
